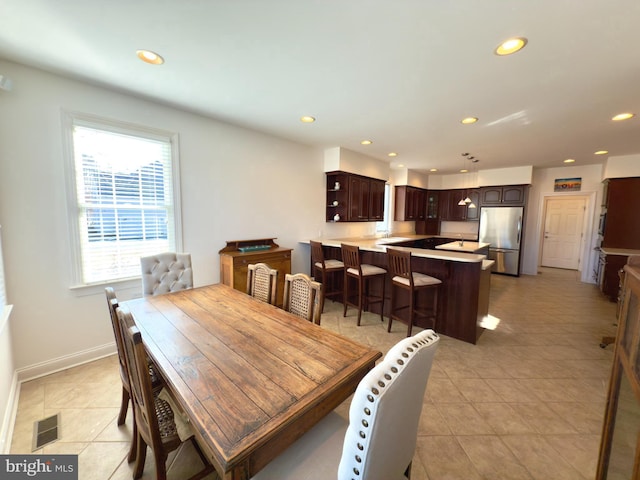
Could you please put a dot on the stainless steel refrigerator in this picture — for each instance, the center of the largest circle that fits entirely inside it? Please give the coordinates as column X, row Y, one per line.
column 501, row 228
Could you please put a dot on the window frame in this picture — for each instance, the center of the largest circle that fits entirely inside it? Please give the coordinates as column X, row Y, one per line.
column 69, row 121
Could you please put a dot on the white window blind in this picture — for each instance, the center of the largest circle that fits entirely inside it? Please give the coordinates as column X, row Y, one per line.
column 124, row 200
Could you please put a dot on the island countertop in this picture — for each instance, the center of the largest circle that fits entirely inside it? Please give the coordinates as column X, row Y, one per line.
column 468, row 247
column 380, row 244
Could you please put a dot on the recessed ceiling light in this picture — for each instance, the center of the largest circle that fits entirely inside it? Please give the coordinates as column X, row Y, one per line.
column 150, row 57
column 464, row 170
column 433, row 170
column 569, row 160
column 601, row 152
column 307, row 119
column 510, row 46
column 366, row 142
column 392, row 154
column 623, row 116
column 401, row 165
column 469, row 120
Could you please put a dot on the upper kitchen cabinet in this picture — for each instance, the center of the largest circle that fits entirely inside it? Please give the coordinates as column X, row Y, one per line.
column 450, row 209
column 433, row 198
column 410, row 203
column 354, row 198
column 503, row 195
column 376, row 199
column 473, row 213
column 621, row 219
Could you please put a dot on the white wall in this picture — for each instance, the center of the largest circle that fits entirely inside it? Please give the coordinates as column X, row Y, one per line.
column 622, row 166
column 236, row 184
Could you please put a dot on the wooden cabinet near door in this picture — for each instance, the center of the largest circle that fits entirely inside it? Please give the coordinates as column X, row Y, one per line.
column 622, row 226
column 609, row 279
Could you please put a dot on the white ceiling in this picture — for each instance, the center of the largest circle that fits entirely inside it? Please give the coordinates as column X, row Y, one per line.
column 402, row 73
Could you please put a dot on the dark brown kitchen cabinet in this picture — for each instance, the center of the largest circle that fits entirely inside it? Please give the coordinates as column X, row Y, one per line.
column 473, row 213
column 503, row 195
column 608, row 276
column 358, row 199
column 433, row 197
column 410, row 203
column 354, row 198
column 621, row 219
column 451, row 210
column 376, row 199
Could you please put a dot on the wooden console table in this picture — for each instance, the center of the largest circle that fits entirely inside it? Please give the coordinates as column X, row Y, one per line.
column 237, row 255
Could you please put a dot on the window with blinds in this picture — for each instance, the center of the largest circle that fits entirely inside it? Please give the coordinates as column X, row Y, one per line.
column 124, row 199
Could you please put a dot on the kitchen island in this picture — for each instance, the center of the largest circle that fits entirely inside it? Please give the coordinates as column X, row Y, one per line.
column 466, row 278
column 465, row 247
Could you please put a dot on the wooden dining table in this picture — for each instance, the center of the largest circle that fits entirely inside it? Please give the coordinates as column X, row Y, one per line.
column 251, row 377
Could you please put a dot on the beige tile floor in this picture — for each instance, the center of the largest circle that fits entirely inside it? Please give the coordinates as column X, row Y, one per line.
column 526, row 402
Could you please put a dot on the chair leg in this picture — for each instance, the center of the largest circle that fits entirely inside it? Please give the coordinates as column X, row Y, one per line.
column 324, row 287
column 133, row 450
column 411, row 301
column 345, row 295
column 161, row 465
column 360, row 292
column 141, row 457
column 393, row 307
column 384, row 283
column 124, row 406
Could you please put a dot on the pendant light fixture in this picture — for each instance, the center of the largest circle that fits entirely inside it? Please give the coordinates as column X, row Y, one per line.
column 467, row 201
column 471, row 204
column 464, row 201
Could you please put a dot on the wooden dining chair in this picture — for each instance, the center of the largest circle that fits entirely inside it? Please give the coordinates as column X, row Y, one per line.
column 378, row 440
column 156, row 381
column 154, row 417
column 363, row 274
column 166, row 272
column 331, row 273
column 262, row 282
column 404, row 278
column 303, row 297
column 112, row 303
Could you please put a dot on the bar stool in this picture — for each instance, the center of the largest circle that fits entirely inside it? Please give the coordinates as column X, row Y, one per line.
column 403, row 277
column 363, row 274
column 326, row 268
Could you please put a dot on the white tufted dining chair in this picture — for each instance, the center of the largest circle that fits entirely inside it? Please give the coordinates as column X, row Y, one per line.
column 379, row 439
column 166, row 272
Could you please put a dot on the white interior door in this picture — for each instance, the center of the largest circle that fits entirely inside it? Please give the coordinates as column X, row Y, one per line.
column 563, row 231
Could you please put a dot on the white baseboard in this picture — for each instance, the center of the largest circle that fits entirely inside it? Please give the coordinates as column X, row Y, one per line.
column 6, row 432
column 62, row 363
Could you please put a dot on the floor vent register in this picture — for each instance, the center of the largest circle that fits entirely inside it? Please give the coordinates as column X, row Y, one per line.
column 45, row 431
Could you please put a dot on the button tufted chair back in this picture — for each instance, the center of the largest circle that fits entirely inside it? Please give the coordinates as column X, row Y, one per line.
column 379, row 439
column 166, row 272
column 385, row 412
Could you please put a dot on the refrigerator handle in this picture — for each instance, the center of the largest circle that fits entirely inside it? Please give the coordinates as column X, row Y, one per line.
column 519, row 230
